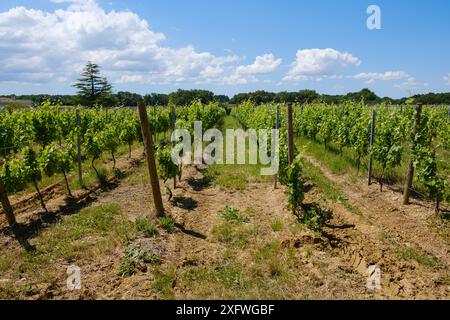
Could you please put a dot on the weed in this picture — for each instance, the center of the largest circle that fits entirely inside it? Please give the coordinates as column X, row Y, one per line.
column 167, row 223
column 136, row 259
column 146, row 227
column 410, row 253
column 233, row 234
column 164, row 282
column 277, row 225
column 232, row 215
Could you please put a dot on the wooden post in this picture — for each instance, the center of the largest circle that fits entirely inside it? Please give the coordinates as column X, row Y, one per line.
column 277, row 126
column 290, row 134
column 150, row 154
column 372, row 141
column 172, row 118
column 172, row 122
column 6, row 204
column 410, row 172
column 80, row 169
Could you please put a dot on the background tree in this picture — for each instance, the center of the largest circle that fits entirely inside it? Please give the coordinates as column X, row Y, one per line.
column 185, row 97
column 128, row 99
column 156, row 99
column 92, row 88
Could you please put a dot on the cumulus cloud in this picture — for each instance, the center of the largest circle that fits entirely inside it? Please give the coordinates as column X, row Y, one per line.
column 411, row 84
column 210, row 71
column 318, row 63
column 39, row 46
column 133, row 78
column 263, row 64
column 388, row 75
column 371, row 77
column 447, row 79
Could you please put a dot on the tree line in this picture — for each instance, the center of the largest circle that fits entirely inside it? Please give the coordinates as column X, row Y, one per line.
column 94, row 89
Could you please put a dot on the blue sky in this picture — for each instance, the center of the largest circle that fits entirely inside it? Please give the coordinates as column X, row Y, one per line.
column 226, row 46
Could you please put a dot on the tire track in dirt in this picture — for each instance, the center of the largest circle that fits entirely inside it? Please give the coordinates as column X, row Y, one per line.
column 350, row 245
column 409, row 224
column 360, row 246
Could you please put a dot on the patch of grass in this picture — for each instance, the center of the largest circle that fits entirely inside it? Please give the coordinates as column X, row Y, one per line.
column 277, row 225
column 409, row 253
column 146, row 227
column 76, row 233
column 9, row 291
column 93, row 230
column 232, row 215
column 346, row 163
column 267, row 252
column 234, row 235
column 139, row 176
column 227, row 275
column 308, row 251
column 327, row 187
column 274, row 258
column 220, row 281
column 164, row 282
column 337, row 163
column 228, row 254
column 102, row 177
column 126, row 269
column 167, row 223
column 234, row 176
column 6, row 263
column 272, row 275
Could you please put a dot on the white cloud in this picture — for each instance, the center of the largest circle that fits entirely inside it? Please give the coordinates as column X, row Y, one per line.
column 236, row 79
column 316, row 63
column 135, row 78
column 39, row 46
column 210, row 71
column 386, row 76
column 411, row 84
column 263, row 64
column 447, row 79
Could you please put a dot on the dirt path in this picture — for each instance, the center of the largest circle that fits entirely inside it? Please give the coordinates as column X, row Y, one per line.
column 329, row 266
column 338, row 267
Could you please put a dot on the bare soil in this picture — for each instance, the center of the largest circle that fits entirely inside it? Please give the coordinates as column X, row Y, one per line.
column 331, row 265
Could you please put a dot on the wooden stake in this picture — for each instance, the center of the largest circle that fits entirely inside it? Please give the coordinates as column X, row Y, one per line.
column 80, row 170
column 410, row 172
column 290, row 134
column 150, row 154
column 277, row 126
column 6, row 204
column 172, row 122
column 372, row 140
